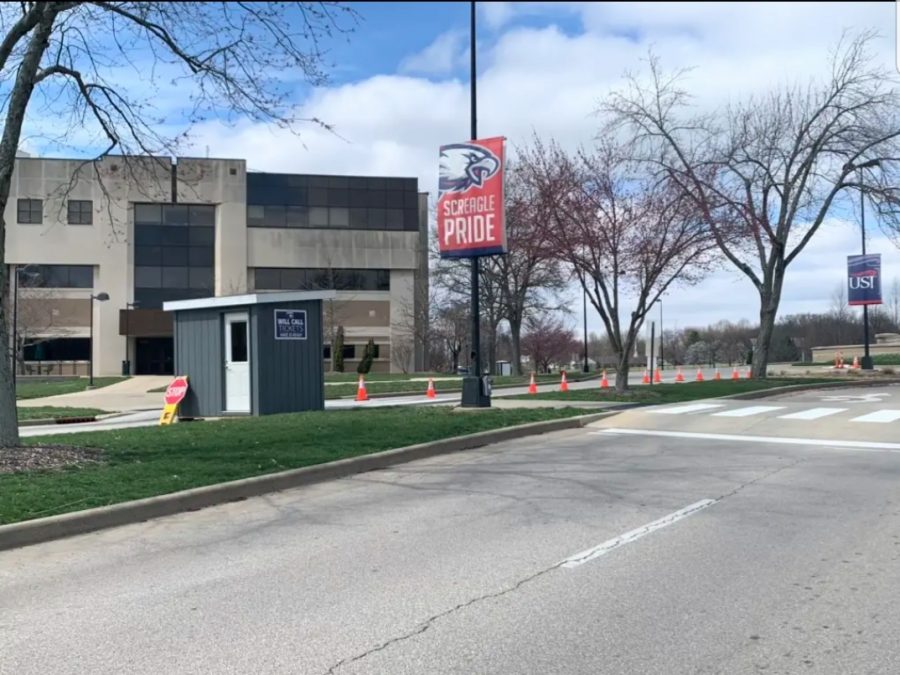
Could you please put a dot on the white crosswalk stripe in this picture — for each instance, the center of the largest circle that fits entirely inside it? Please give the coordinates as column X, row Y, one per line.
column 747, row 412
column 812, row 414
column 683, row 409
column 879, row 417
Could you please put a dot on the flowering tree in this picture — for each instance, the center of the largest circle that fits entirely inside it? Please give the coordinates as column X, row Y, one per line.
column 626, row 236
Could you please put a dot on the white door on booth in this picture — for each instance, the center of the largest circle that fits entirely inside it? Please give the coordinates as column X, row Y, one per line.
column 237, row 363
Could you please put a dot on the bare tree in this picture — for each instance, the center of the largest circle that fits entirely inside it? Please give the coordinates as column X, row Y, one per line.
column 766, row 173
column 97, row 67
column 893, row 302
column 626, row 236
column 548, row 341
column 839, row 302
column 451, row 330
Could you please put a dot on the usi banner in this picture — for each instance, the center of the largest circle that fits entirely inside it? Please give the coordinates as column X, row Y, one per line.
column 470, row 216
column 864, row 279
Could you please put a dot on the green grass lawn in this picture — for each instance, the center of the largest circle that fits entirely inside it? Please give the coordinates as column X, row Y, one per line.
column 673, row 393
column 47, row 412
column 156, row 460
column 27, row 390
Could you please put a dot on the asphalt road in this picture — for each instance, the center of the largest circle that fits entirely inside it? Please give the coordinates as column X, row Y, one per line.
column 674, row 542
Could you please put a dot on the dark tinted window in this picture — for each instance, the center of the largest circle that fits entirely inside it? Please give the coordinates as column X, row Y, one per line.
column 286, row 200
column 274, row 216
column 148, row 214
column 238, row 342
column 318, row 216
column 175, row 214
column 203, row 215
column 59, row 349
column 288, row 279
column 81, row 212
column 297, row 216
column 30, row 211
column 175, row 260
column 56, row 276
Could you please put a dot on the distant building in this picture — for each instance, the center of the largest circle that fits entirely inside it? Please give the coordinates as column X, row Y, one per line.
column 148, row 230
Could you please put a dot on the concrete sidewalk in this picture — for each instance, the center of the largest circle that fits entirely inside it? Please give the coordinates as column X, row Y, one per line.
column 131, row 394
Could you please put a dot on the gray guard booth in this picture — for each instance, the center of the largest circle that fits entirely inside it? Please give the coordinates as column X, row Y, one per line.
column 256, row 354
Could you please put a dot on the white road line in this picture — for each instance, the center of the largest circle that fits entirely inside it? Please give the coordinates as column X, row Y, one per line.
column 772, row 440
column 682, row 409
column 633, row 535
column 748, row 411
column 879, row 417
column 812, row 414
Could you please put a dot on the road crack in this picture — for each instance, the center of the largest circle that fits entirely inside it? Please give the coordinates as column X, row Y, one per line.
column 759, row 479
column 428, row 623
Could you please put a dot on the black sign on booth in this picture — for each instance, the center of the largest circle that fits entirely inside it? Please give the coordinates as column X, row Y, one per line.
column 864, row 279
column 290, row 324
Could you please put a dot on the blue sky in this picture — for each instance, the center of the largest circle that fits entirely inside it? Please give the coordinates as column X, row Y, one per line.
column 399, row 89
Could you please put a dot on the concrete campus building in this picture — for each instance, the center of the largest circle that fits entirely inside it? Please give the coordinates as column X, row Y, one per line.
column 148, row 230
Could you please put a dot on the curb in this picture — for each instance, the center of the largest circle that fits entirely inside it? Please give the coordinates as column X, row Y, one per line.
column 52, row 421
column 787, row 389
column 65, row 525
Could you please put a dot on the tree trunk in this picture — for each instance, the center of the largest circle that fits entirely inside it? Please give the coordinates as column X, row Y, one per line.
column 622, row 373
column 767, row 315
column 9, row 425
column 515, row 338
column 19, row 96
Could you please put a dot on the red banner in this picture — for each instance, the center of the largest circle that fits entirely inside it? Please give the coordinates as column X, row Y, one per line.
column 470, row 216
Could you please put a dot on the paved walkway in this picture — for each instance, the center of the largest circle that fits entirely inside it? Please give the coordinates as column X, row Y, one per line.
column 131, row 394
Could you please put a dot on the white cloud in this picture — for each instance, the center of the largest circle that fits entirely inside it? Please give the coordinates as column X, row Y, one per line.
column 496, row 14
column 547, row 80
column 442, row 57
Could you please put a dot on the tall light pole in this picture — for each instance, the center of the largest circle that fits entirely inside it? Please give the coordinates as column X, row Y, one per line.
column 100, row 297
column 126, row 370
column 661, row 362
column 474, row 394
column 867, row 359
column 584, row 300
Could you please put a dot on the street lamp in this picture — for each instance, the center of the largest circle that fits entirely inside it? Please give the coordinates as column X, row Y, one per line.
column 126, row 365
column 867, row 359
column 585, row 368
column 100, row 297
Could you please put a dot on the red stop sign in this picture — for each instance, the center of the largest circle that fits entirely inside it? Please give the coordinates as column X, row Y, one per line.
column 176, row 391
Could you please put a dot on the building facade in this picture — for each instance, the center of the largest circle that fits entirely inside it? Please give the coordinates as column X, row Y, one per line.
column 148, row 230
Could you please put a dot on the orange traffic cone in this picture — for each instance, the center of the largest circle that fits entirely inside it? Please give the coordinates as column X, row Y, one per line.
column 855, row 363
column 532, row 388
column 718, row 375
column 646, row 379
column 564, row 385
column 604, row 383
column 431, row 393
column 361, row 394
column 749, row 374
column 699, row 377
column 679, row 377
column 657, row 379
column 735, row 375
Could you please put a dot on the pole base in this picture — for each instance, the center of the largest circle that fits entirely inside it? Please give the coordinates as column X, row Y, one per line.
column 473, row 395
column 866, row 363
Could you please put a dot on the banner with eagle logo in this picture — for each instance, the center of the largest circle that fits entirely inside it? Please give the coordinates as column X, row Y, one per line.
column 470, row 216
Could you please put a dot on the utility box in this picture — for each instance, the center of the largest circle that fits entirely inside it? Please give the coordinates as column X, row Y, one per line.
column 257, row 354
